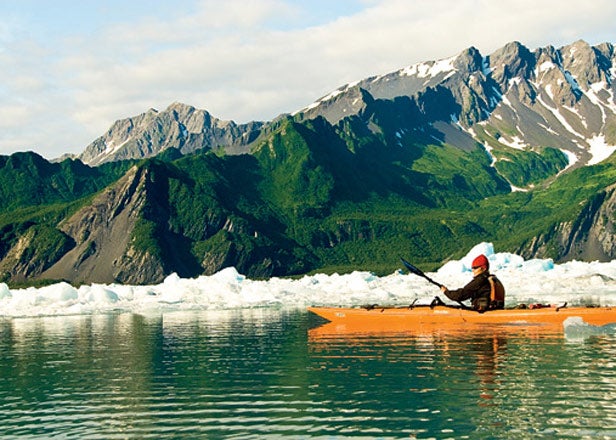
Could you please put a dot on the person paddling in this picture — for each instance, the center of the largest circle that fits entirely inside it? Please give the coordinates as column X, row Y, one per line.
column 485, row 291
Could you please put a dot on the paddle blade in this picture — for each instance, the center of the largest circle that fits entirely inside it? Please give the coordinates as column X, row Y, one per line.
column 412, row 268
column 416, row 271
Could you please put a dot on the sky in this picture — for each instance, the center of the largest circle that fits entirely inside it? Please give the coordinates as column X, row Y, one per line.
column 70, row 68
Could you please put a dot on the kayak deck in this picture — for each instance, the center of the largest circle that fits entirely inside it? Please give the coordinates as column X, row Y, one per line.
column 379, row 319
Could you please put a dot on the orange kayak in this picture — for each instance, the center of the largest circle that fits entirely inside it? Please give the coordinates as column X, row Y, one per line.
column 443, row 318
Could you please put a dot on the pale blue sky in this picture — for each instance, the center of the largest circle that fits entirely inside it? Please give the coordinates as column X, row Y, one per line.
column 70, row 68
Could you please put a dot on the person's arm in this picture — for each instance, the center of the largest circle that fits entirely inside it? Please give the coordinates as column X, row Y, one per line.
column 466, row 292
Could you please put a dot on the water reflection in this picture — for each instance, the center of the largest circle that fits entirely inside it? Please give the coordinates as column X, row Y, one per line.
column 490, row 382
column 264, row 373
column 110, row 375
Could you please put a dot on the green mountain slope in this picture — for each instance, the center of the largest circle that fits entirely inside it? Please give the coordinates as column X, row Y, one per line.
column 310, row 196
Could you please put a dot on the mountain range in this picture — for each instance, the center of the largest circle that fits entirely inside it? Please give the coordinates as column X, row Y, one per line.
column 513, row 147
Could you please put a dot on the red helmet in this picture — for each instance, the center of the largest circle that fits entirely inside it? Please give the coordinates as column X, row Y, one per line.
column 481, row 261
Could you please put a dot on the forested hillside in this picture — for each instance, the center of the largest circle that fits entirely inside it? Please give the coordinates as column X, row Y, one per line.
column 513, row 148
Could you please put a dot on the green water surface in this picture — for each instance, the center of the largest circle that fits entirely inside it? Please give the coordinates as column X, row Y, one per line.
column 258, row 374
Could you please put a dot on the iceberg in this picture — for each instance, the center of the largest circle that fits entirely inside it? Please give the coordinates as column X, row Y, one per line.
column 526, row 281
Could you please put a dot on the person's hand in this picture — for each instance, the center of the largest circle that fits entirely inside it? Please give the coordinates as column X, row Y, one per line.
column 444, row 289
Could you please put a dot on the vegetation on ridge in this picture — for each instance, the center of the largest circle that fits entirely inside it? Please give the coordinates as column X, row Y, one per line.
column 310, row 196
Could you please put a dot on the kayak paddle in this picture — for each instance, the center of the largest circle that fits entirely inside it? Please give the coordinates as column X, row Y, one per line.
column 437, row 301
column 416, row 271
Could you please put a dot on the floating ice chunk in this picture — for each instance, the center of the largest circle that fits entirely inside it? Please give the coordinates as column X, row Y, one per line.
column 577, row 329
column 100, row 295
column 230, row 275
column 171, row 279
column 60, row 292
column 5, row 292
column 536, row 265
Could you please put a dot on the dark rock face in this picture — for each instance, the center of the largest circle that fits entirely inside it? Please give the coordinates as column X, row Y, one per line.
column 101, row 232
column 588, row 237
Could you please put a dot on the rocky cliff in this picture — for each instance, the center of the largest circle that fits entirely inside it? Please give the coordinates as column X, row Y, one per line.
column 588, row 237
column 101, row 233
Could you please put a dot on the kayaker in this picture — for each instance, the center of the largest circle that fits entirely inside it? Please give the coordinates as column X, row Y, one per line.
column 485, row 291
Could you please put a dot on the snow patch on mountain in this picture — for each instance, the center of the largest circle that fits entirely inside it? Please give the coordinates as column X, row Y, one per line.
column 489, row 150
column 571, row 157
column 111, row 148
column 575, row 111
column 516, row 142
column 548, row 129
column 430, row 69
column 599, row 149
column 593, row 95
column 546, row 66
column 326, row 98
column 559, row 117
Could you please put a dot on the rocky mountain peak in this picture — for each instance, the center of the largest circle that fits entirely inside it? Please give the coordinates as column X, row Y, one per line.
column 511, row 61
column 469, row 60
column 344, row 102
column 560, row 98
column 179, row 126
column 563, row 98
column 582, row 62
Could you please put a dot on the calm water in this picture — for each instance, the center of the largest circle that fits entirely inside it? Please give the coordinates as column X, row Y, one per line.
column 260, row 374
